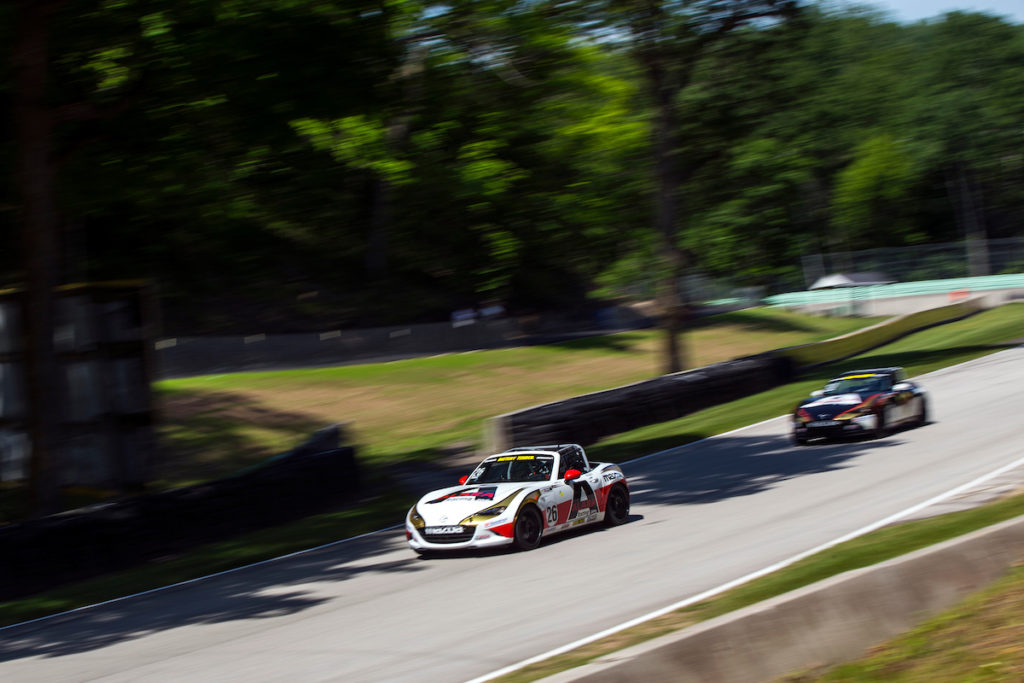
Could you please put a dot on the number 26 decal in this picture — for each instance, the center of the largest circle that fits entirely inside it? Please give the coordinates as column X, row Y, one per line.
column 552, row 514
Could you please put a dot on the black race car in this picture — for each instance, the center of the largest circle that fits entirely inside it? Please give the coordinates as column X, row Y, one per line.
column 858, row 403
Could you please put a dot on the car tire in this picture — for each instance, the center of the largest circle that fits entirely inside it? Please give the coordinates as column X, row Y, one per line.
column 881, row 429
column 529, row 525
column 799, row 440
column 616, row 508
column 922, row 420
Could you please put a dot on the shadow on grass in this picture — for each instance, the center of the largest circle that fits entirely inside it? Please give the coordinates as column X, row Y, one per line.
column 205, row 435
column 624, row 342
column 751, row 320
column 267, row 591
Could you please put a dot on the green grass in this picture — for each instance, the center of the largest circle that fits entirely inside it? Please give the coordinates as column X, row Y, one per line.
column 978, row 640
column 954, row 343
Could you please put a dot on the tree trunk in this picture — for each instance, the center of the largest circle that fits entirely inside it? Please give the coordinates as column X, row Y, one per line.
column 34, row 121
column 665, row 215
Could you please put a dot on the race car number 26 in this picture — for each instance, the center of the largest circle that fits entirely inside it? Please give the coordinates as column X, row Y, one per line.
column 552, row 514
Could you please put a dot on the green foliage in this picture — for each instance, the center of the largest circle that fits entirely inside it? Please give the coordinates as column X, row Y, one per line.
column 402, row 158
column 871, row 193
column 358, row 142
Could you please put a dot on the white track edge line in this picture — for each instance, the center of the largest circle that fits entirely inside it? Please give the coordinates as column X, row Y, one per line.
column 754, row 575
column 198, row 578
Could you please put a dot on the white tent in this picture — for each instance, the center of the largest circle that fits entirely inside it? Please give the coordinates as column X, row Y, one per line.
column 851, row 280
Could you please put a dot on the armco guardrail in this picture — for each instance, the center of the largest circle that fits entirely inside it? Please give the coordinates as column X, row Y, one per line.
column 588, row 418
column 877, row 335
column 824, row 624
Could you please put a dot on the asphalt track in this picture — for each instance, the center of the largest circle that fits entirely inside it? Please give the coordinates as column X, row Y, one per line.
column 369, row 609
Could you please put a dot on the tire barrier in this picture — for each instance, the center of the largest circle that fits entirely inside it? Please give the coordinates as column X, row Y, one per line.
column 591, row 417
column 41, row 554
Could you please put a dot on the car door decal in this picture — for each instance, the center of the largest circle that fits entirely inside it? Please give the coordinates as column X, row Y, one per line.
column 584, row 501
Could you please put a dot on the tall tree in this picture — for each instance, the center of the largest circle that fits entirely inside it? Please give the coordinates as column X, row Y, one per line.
column 34, row 122
column 668, row 39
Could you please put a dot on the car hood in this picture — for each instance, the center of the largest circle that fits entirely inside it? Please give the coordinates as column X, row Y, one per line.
column 453, row 504
column 827, row 407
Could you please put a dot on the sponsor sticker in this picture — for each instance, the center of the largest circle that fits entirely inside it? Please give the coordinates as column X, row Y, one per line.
column 486, row 493
column 442, row 530
column 842, row 399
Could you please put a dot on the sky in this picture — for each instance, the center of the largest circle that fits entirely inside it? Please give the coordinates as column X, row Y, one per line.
column 916, row 10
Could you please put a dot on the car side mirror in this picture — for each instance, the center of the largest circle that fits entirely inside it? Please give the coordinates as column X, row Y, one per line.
column 902, row 386
column 463, row 478
column 571, row 475
column 817, row 393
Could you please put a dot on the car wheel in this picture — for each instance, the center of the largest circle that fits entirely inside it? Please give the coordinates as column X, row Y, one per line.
column 799, row 440
column 528, row 528
column 881, row 429
column 922, row 420
column 616, row 509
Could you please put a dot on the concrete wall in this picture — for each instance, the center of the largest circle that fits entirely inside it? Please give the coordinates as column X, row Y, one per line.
column 884, row 332
column 826, row 623
column 866, row 305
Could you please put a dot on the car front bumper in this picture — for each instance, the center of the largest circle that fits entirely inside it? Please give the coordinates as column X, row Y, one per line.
column 480, row 538
column 835, row 429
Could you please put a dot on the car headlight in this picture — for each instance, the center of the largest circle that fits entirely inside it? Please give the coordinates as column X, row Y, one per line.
column 491, row 512
column 415, row 519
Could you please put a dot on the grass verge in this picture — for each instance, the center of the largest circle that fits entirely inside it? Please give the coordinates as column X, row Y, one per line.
column 978, row 640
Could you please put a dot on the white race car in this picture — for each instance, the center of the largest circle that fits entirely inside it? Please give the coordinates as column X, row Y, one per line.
column 518, row 497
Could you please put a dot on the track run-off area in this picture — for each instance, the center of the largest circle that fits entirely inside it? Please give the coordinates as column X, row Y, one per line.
column 704, row 516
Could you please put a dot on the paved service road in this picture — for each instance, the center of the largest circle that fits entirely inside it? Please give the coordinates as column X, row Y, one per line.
column 370, row 610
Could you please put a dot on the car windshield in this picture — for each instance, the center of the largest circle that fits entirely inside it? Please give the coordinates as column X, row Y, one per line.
column 513, row 468
column 860, row 384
